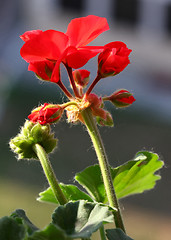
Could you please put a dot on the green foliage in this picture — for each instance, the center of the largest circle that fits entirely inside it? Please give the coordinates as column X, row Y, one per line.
column 20, row 216
column 73, row 220
column 80, row 219
column 133, row 177
column 51, row 232
column 116, row 234
column 71, row 192
column 11, row 229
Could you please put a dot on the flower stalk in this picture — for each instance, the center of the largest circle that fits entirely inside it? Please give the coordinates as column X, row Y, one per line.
column 49, row 173
column 64, row 89
column 69, row 70
column 98, row 77
column 104, row 165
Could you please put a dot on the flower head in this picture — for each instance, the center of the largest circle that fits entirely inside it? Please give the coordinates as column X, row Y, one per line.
column 48, row 113
column 69, row 48
column 113, row 59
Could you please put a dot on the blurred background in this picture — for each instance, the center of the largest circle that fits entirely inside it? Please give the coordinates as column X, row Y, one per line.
column 145, row 26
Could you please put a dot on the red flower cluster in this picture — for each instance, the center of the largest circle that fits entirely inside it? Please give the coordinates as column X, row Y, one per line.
column 45, row 50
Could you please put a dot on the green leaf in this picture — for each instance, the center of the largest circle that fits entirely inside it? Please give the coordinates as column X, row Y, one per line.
column 20, row 216
column 71, row 192
column 51, row 232
column 11, row 229
column 80, row 219
column 91, row 180
column 133, row 177
column 116, row 234
column 138, row 175
column 16, row 227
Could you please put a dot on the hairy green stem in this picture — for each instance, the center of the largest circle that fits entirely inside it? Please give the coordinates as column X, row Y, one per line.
column 49, row 173
column 102, row 233
column 104, row 165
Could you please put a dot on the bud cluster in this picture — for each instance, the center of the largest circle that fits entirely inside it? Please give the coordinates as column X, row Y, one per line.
column 31, row 134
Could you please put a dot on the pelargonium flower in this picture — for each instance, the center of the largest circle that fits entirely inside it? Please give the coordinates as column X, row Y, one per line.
column 113, row 59
column 69, row 48
column 48, row 113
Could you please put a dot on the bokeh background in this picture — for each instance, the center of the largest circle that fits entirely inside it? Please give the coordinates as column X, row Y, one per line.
column 145, row 26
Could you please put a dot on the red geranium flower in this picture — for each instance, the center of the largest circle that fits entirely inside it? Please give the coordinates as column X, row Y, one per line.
column 48, row 113
column 69, row 48
column 113, row 59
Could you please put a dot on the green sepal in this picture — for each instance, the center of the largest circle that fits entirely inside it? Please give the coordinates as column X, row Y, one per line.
column 133, row 177
column 31, row 134
column 71, row 192
column 105, row 122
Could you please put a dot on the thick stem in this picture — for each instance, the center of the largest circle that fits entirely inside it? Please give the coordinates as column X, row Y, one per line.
column 104, row 165
column 49, row 173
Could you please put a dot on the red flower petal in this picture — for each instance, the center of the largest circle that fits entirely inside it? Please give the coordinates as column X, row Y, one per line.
column 45, row 114
column 82, row 31
column 47, row 45
column 77, row 58
column 128, row 100
column 120, row 47
column 30, row 34
column 42, row 69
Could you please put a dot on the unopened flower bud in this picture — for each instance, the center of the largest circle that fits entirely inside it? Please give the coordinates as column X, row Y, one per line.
column 30, row 135
column 121, row 98
column 46, row 114
column 81, row 77
column 108, row 121
column 113, row 59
